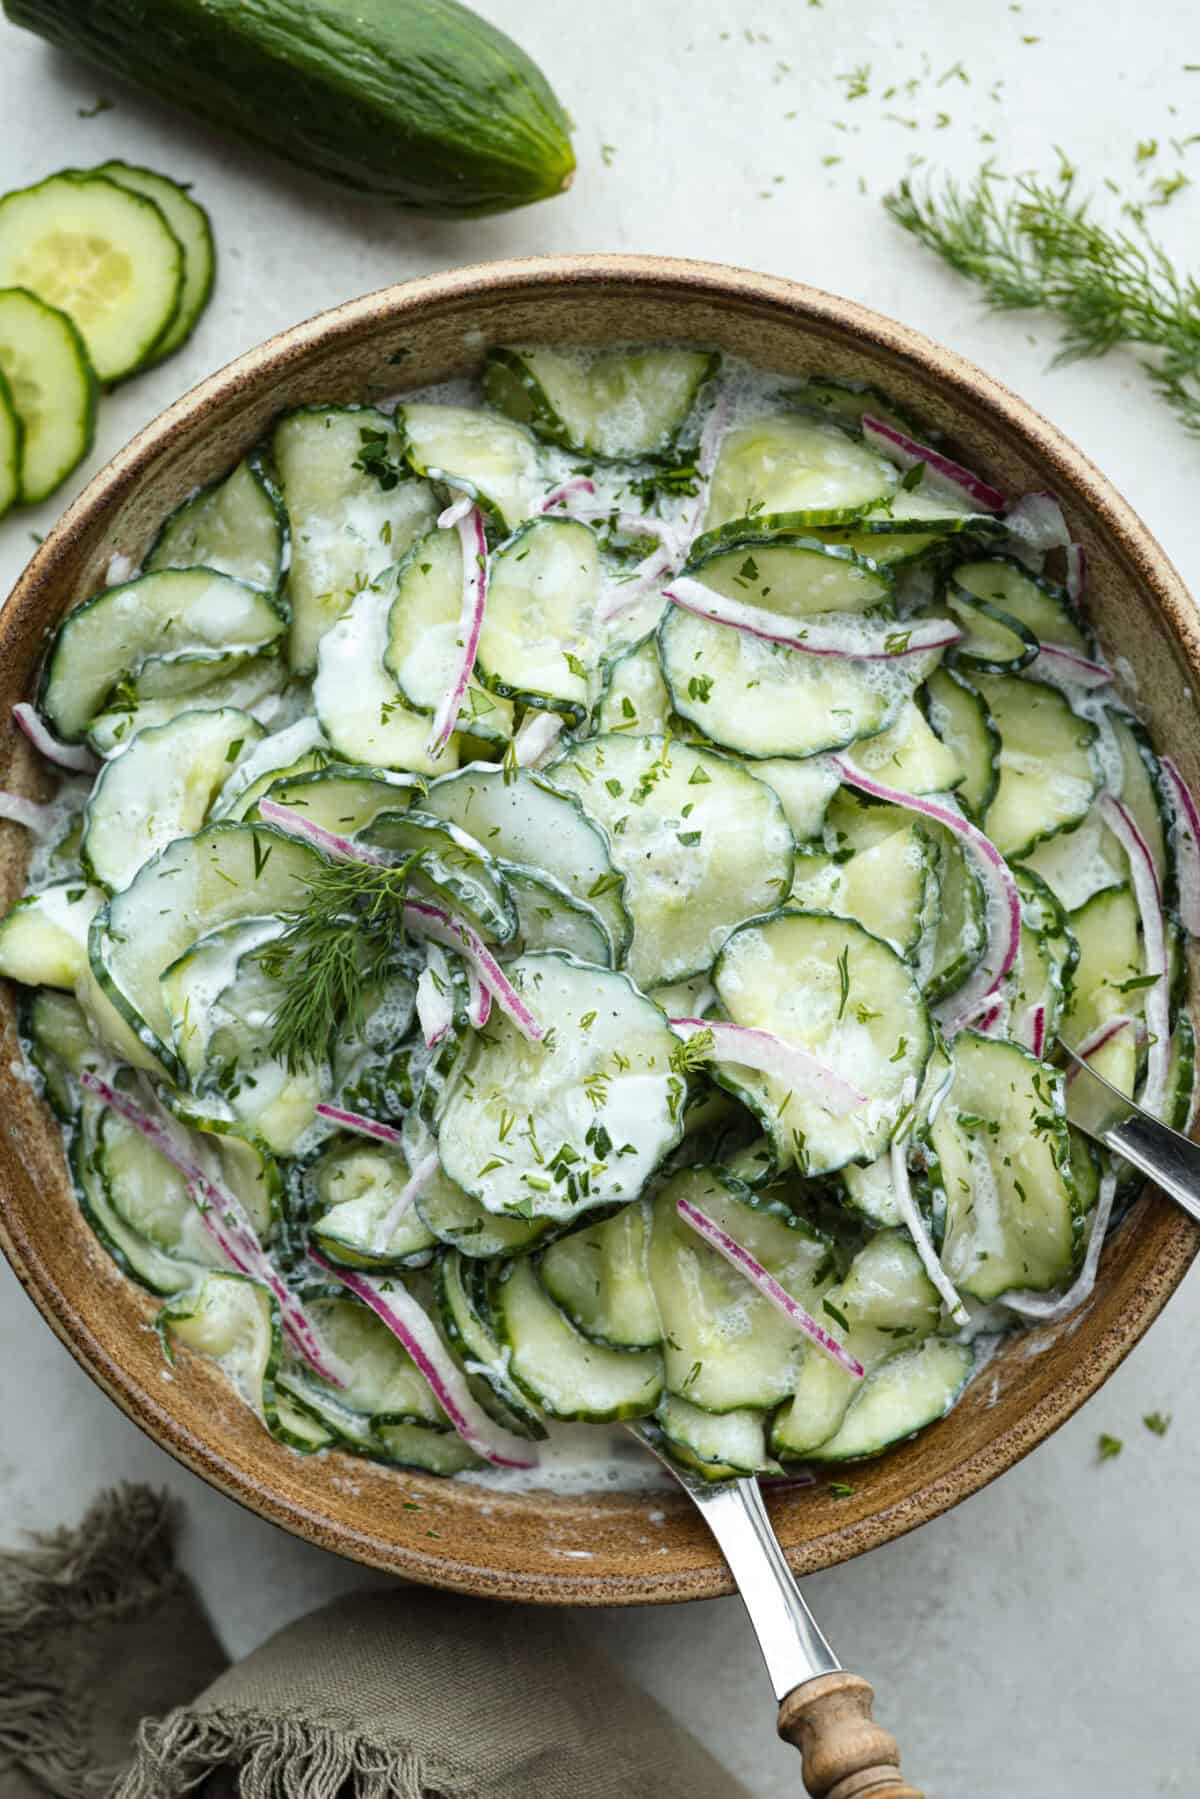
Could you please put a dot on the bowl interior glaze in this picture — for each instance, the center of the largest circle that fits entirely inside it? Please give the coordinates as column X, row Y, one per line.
column 599, row 1548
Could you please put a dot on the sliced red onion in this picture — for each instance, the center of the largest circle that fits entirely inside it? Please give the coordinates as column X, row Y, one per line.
column 20, row 811
column 622, row 595
column 360, row 1124
column 456, row 511
column 1004, row 901
column 711, row 438
column 418, row 1179
column 75, row 756
column 224, row 1218
column 472, row 536
column 1095, row 1041
column 851, row 638
column 910, row 1216
column 1186, row 838
column 296, row 825
column 1037, row 1031
column 1076, row 573
column 1148, row 894
column 989, row 1020
column 456, row 934
column 558, row 496
column 906, row 453
column 411, row 1325
column 773, row 1055
column 1055, row 662
column 1037, row 523
column 1046, row 1308
column 479, row 1001
column 536, row 737
column 435, row 1007
column 767, row 1285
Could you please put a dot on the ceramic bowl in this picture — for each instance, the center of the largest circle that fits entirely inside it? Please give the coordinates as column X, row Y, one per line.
column 604, row 1547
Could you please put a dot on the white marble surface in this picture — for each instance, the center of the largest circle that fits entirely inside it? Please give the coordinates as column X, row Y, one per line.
column 1041, row 1639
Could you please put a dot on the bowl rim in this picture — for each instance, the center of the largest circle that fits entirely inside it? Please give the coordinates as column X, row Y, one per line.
column 777, row 297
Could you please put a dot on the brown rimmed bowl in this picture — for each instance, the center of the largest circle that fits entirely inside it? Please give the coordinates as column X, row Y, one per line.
column 603, row 1548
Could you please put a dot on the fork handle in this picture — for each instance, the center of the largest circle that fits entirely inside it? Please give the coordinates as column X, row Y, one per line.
column 846, row 1754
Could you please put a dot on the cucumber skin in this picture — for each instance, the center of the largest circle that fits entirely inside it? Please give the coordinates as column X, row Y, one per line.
column 420, row 102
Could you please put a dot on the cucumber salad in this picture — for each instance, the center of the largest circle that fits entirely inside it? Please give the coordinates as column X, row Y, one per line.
column 563, row 903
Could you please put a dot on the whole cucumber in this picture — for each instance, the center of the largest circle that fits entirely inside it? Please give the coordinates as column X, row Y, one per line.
column 418, row 101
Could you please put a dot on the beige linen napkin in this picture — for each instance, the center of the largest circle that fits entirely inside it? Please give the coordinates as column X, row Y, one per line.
column 407, row 1694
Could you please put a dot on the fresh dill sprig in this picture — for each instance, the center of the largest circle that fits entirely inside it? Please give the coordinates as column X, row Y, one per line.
column 332, row 954
column 693, row 1052
column 1030, row 243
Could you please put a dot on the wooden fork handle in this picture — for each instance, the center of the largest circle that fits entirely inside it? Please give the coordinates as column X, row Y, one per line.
column 846, row 1754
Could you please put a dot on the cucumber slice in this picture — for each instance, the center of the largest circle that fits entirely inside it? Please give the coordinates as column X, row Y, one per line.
column 909, row 755
column 191, row 226
column 1003, row 1161
column 1141, row 794
column 237, row 526
column 256, row 682
column 550, row 917
column 52, row 389
column 598, row 1277
column 151, row 1197
column 382, row 1381
column 352, row 512
column 718, row 1445
column 11, row 436
column 724, row 1344
column 452, row 865
column 340, row 797
column 890, row 888
column 993, row 641
column 1047, row 774
column 1079, row 863
column 428, row 1451
column 910, row 524
column 1106, row 929
column 537, row 642
column 1047, row 954
column 234, row 1322
column 115, row 634
column 356, row 700
column 522, row 819
column 224, row 873
column 763, row 699
column 105, row 256
column 845, row 403
column 355, row 1185
column 474, row 452
column 633, row 694
column 161, row 788
column 961, row 719
column 795, row 578
column 1035, row 604
column 549, row 1130
column 133, row 1253
column 804, row 790
column 462, row 1223
column 562, row 1371
column 296, row 750
column 783, row 473
column 425, row 590
column 60, row 1046
column 243, row 1162
column 962, row 927
column 620, row 405
column 43, row 939
column 192, row 986
column 462, row 1308
column 830, row 987
column 701, row 844
column 910, row 1391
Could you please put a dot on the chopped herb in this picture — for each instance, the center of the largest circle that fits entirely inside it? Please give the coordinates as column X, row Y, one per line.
column 700, row 688
column 1108, row 1448
column 843, row 968
column 698, row 778
column 375, row 459
column 841, row 1489
column 689, row 839
column 575, row 665
column 1158, row 1422
column 839, row 1317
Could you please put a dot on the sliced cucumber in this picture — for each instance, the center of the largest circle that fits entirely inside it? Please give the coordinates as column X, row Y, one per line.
column 466, row 1323
column 537, row 642
column 724, row 1344
column 701, row 844
column 1043, row 974
column 1036, row 605
column 237, row 526
column 43, row 939
column 52, row 388
column 993, row 642
column 463, row 1224
column 563, row 1372
column 151, row 1198
column 356, row 1185
column 429, row 1451
column 474, row 452
column 161, row 788
column 190, row 224
column 633, row 694
column 341, row 798
column 105, row 256
column 961, row 719
column 176, row 612
column 296, row 750
column 1079, row 863
column 909, row 755
column 891, row 888
column 909, row 525
column 795, row 578
column 831, row 988
column 520, row 818
column 550, row 917
column 424, row 621
column 962, row 926
column 599, row 1278
column 1004, row 1166
column 782, row 473
column 552, row 1129
column 193, row 985
column 1047, row 775
column 352, row 512
column 1141, row 794
column 764, row 699
column 908, row 1392
column 451, row 864
column 1107, row 981
column 621, row 405
column 60, row 1046
column 235, row 1323
column 717, row 1444
column 224, row 873
column 356, row 700
column 11, row 436
column 144, row 1261
column 382, row 1381
column 255, row 683
column 804, row 789
column 846, row 403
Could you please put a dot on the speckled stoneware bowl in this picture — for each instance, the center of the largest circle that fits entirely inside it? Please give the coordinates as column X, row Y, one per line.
column 607, row 1548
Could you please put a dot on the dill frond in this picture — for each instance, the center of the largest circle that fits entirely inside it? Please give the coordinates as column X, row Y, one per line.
column 1029, row 243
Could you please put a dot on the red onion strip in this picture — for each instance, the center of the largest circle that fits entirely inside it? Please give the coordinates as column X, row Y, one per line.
column 1095, row 1041
column 536, row 737
column 458, row 509
column 769, row 1054
column 75, row 756
column 906, row 452
column 1004, row 941
column 225, row 1219
column 412, row 1327
column 911, row 1217
column 557, row 498
column 435, row 1010
column 456, row 934
column 815, row 638
column 479, row 1001
column 767, row 1285
column 1055, row 662
column 474, row 600
column 1148, row 894
column 296, row 825
column 1037, row 523
column 1076, row 572
column 1186, row 837
column 622, row 595
column 360, row 1124
column 418, row 1179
